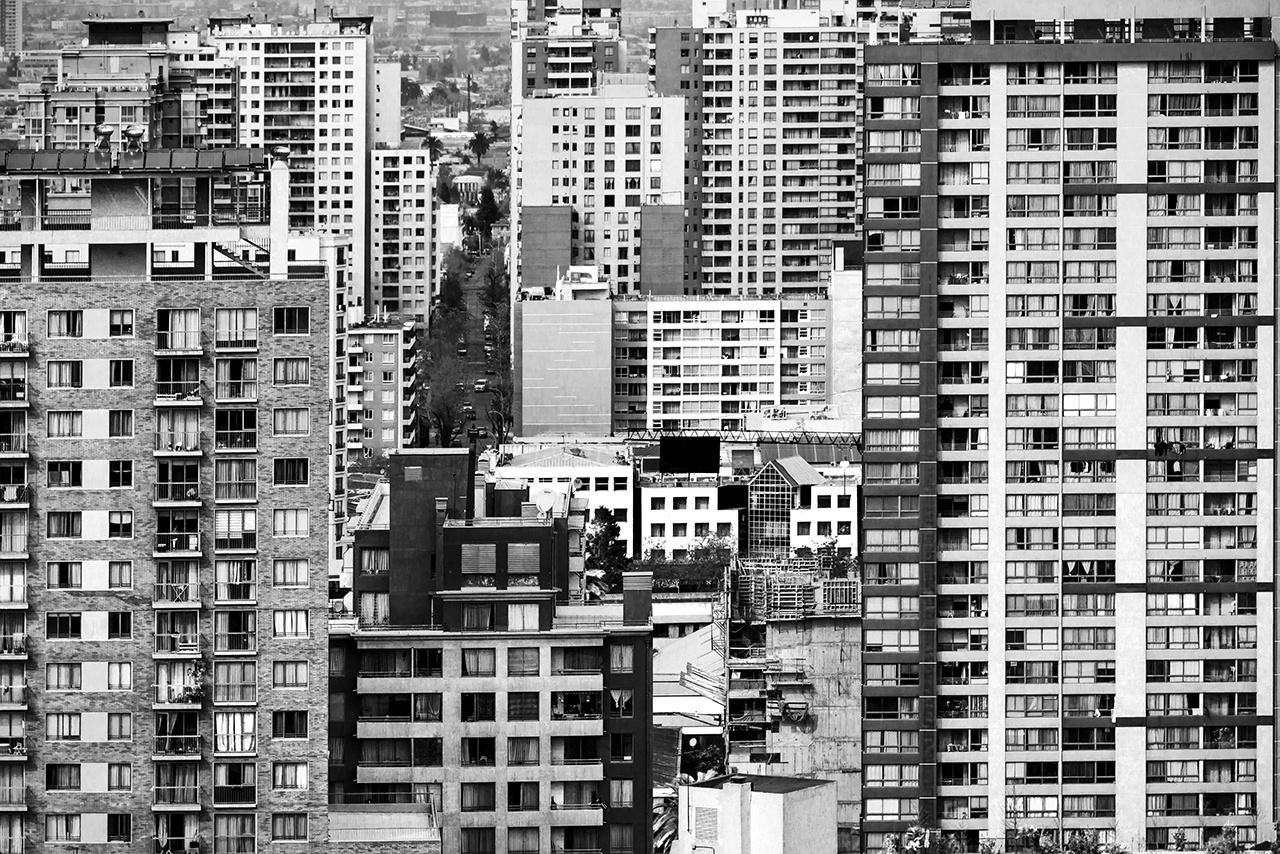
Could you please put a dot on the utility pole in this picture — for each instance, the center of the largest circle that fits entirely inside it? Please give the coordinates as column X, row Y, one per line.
column 470, row 125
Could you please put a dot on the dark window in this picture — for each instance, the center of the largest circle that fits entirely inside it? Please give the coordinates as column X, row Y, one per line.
column 289, row 724
column 62, row 626
column 121, row 474
column 477, row 707
column 292, row 471
column 292, row 320
column 119, row 827
column 120, row 424
column 120, row 625
column 121, row 323
column 522, row 706
column 621, row 747
column 65, row 473
column 121, row 373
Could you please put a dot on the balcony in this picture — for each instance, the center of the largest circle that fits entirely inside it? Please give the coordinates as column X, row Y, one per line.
column 236, row 339
column 179, row 695
column 235, row 796
column 13, row 646
column 235, row 591
column 235, row 642
column 177, row 643
column 181, row 543
column 13, row 695
column 178, row 443
column 182, row 797
column 177, row 492
column 178, row 393
column 178, row 343
column 235, row 390
column 13, row 443
column 14, row 346
column 176, row 593
column 241, row 541
column 13, row 392
column 15, row 495
column 236, row 440
column 188, row 746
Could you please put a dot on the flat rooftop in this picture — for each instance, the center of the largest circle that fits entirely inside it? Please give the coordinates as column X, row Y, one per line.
column 148, row 161
column 770, row 784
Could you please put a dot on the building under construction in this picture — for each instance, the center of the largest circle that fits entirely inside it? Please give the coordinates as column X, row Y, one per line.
column 792, row 632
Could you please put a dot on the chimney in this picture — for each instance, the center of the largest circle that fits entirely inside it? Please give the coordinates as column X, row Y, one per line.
column 279, row 227
column 637, row 598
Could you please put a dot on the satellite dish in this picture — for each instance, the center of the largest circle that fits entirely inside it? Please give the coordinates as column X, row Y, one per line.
column 545, row 500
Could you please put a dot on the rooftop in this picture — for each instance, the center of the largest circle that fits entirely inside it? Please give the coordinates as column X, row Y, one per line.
column 769, row 784
column 56, row 162
column 565, row 457
column 799, row 472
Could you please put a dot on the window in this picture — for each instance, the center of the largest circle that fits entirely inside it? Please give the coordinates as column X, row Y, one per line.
column 121, row 323
column 478, row 662
column 120, row 575
column 288, row 827
column 65, row 474
column 522, row 706
column 522, row 617
column 119, row 424
column 293, row 572
column 64, row 575
column 66, row 323
column 62, row 626
column 291, row 320
column 120, row 372
column 291, row 372
column 291, row 422
column 289, row 724
column 522, row 661
column 119, row 777
column 290, row 624
column 62, row 827
column 120, row 625
column 235, row 833
column 62, row 677
column 62, row 777
column 621, row 658
column 120, row 474
column 120, row 726
column 119, row 827
column 289, row 775
column 291, row 523
column 478, row 797
column 292, row 471
column 120, row 525
column 119, row 676
column 289, row 674
column 478, row 707
column 64, row 374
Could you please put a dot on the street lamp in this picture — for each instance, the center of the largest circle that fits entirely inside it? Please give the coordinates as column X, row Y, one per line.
column 844, row 476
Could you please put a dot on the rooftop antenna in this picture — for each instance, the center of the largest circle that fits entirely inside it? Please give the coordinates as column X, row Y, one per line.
column 545, row 501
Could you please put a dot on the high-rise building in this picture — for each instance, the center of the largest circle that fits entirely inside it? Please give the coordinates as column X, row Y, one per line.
column 311, row 88
column 601, row 167
column 382, row 385
column 164, row 477
column 11, row 31
column 474, row 705
column 1069, row 292
column 402, row 232
column 774, row 111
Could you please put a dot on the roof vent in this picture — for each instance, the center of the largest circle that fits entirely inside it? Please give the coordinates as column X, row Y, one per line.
column 102, row 133
column 133, row 138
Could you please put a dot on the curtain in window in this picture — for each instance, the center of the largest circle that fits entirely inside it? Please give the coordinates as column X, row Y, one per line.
column 234, row 732
column 621, row 658
column 477, row 617
column 522, row 618
column 235, row 834
column 237, row 325
column 66, row 324
column 176, row 783
column 522, row 751
column 373, row 609
column 621, row 836
column 62, row 424
column 375, row 561
column 427, row 707
column 477, row 797
column 477, row 662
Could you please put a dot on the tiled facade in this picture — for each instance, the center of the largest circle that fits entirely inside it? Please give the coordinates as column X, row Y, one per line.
column 1069, row 333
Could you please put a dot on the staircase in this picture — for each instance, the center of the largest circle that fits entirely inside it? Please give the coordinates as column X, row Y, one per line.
column 240, row 253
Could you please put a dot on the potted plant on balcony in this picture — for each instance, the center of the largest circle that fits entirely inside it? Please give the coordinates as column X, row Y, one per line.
column 197, row 688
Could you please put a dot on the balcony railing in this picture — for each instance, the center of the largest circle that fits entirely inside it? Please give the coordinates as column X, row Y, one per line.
column 247, row 491
column 13, row 694
column 180, row 541
column 13, row 389
column 179, row 693
column 13, row 443
column 179, row 442
column 236, row 440
column 177, row 491
column 178, row 391
column 235, row 642
column 185, row 341
column 236, row 339
column 176, row 795
column 13, row 795
column 237, row 591
column 178, row 642
column 15, row 493
column 236, row 390
column 235, row 692
column 176, row 592
column 231, row 542
column 234, row 795
column 177, row 745
column 13, row 343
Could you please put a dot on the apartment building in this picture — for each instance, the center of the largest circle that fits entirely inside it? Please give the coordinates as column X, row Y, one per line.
column 478, row 707
column 112, row 79
column 677, row 515
column 311, row 88
column 164, row 589
column 402, row 222
column 1089, row 204
column 555, row 50
column 792, row 506
column 11, row 26
column 382, row 386
column 599, row 168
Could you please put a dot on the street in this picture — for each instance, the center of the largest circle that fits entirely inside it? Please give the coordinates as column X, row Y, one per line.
column 475, row 358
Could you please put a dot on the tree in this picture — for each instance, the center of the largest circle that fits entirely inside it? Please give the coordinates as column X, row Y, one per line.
column 496, row 294
column 434, row 146
column 497, row 179
column 606, row 554
column 502, row 405
column 699, row 571
column 487, row 213
column 1225, row 842
column 444, row 186
column 444, row 402
column 479, row 145
column 451, row 296
column 410, row 90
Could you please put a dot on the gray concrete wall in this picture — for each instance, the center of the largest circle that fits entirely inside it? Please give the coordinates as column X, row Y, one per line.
column 565, row 367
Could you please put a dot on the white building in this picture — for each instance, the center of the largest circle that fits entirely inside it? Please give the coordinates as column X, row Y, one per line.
column 402, row 228
column 311, row 88
column 751, row 813
column 603, row 478
column 675, row 515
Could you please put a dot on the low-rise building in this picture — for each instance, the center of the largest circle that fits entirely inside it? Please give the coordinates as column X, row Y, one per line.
column 753, row 812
